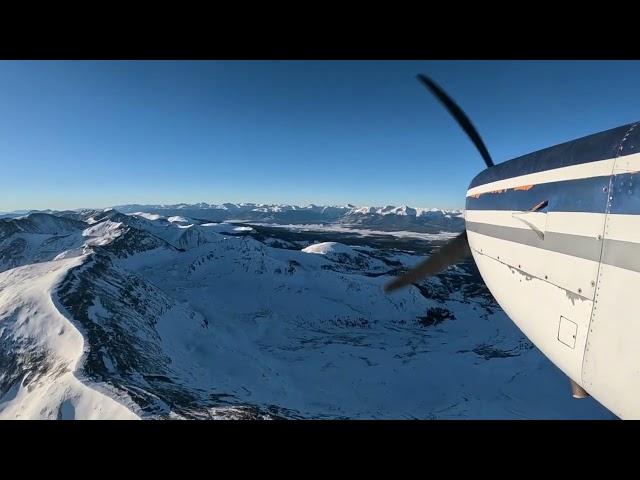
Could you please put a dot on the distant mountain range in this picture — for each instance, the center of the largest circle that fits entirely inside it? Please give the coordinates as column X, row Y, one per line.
column 387, row 218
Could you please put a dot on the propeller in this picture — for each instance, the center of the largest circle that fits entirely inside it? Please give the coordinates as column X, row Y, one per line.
column 456, row 249
column 460, row 117
column 451, row 253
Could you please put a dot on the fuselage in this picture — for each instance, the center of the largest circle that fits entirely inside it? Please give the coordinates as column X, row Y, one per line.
column 556, row 237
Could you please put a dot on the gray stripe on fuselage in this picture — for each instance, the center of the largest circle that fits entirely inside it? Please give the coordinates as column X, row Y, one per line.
column 617, row 253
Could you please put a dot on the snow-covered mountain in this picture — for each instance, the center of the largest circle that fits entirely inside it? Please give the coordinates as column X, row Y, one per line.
column 386, row 218
column 163, row 315
column 36, row 238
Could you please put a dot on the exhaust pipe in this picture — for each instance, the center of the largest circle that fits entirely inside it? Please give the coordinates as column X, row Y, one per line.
column 577, row 391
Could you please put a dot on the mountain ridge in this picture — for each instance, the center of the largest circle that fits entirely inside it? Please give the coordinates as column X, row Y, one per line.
column 386, row 218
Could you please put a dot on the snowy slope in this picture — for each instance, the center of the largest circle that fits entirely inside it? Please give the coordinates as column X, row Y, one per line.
column 41, row 350
column 317, row 338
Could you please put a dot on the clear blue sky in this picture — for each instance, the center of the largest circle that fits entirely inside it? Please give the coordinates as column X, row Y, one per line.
column 95, row 134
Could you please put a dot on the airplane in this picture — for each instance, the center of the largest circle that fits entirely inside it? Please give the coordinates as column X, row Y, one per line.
column 555, row 235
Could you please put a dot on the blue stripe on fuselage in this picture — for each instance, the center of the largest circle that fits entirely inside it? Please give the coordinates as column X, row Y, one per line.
column 599, row 146
column 579, row 195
